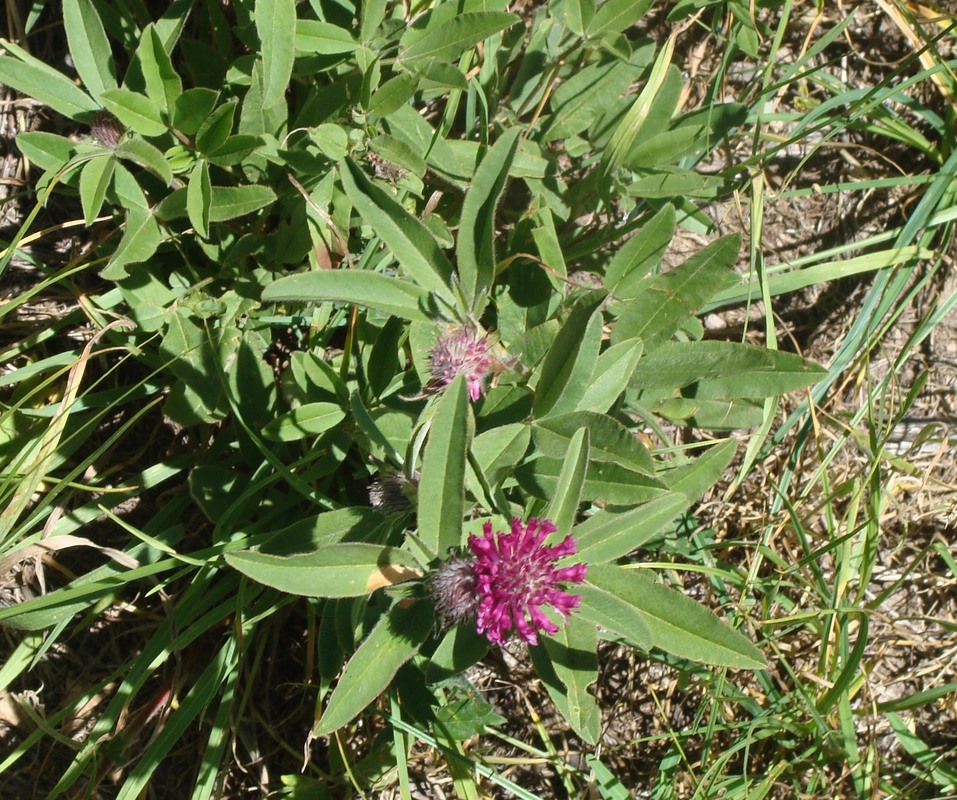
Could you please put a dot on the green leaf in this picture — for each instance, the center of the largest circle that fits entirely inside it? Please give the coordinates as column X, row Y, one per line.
column 398, row 152
column 393, row 641
column 141, row 152
column 573, row 655
column 367, row 289
column 141, row 237
column 610, row 440
column 678, row 625
column 95, row 178
column 163, row 85
column 349, row 569
column 392, row 95
column 323, row 38
column 460, row 648
column 192, row 108
column 355, row 523
column 612, row 372
column 276, row 26
column 693, row 134
column 563, row 509
column 609, row 611
column 442, row 486
column 721, row 414
column 373, row 14
column 663, row 303
column 666, row 183
column 407, row 239
column 570, row 362
column 199, row 198
column 229, row 202
column 581, row 99
column 606, row 536
column 501, row 448
column 136, row 111
column 45, row 84
column 48, row 151
column 694, row 478
column 449, row 40
column 640, row 254
column 89, row 47
column 331, row 139
column 578, row 15
column 215, row 129
column 604, row 482
column 627, row 130
column 304, row 422
column 615, row 16
column 475, row 253
column 731, row 368
column 235, row 150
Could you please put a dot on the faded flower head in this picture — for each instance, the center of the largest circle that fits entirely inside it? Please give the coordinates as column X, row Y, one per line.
column 453, row 589
column 507, row 582
column 461, row 351
column 107, row 129
column 392, row 493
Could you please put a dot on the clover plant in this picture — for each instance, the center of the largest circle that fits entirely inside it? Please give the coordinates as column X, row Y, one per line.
column 400, row 265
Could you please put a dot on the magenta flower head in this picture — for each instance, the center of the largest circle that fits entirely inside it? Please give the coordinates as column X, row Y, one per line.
column 510, row 579
column 461, row 351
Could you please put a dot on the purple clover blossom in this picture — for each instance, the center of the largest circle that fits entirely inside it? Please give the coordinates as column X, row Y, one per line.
column 461, row 351
column 510, row 578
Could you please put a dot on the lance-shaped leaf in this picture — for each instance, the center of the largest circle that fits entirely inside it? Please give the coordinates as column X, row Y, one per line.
column 640, row 254
column 141, row 236
column 141, row 152
column 163, row 85
column 276, row 26
column 612, row 372
column 607, row 610
column 604, row 481
column 95, row 179
column 325, row 38
column 610, row 440
column 614, row 16
column 393, row 641
column 34, row 78
column 452, row 38
column 442, row 486
column 573, row 657
column 367, row 289
column 728, row 369
column 460, row 648
column 607, row 536
column 307, row 420
column 696, row 476
column 199, row 198
column 408, row 240
column 677, row 624
column 89, row 47
column 476, row 240
column 571, row 480
column 663, row 303
column 570, row 362
column 339, row 570
column 134, row 110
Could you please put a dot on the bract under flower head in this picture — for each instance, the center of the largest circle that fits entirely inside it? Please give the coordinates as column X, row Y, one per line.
column 516, row 575
column 461, row 351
